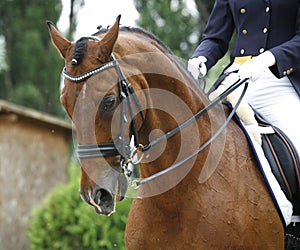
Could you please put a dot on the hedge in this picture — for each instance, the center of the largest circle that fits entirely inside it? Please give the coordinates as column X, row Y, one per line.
column 64, row 222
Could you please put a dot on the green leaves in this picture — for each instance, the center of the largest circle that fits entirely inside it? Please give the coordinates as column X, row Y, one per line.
column 30, row 59
column 65, row 222
column 171, row 22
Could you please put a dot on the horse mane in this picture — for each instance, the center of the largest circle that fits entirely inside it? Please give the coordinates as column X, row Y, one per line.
column 180, row 63
column 81, row 44
column 103, row 30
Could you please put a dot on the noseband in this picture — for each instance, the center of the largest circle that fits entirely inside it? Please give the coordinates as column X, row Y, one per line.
column 120, row 146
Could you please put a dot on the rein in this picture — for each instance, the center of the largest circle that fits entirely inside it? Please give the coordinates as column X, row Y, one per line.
column 137, row 183
column 122, row 148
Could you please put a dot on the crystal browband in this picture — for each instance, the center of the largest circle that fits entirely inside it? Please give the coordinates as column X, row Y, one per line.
column 89, row 73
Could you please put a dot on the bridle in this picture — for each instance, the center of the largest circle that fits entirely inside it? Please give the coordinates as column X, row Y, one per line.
column 127, row 96
column 121, row 147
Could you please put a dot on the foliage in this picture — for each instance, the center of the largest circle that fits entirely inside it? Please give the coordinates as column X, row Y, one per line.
column 75, row 5
column 171, row 22
column 204, row 8
column 30, row 66
column 65, row 222
column 32, row 62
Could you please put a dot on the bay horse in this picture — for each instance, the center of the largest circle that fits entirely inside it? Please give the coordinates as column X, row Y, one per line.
column 125, row 83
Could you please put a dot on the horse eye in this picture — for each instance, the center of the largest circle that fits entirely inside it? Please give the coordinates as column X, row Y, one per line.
column 108, row 104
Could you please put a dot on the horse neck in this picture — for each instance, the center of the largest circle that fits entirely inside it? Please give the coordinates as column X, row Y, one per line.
column 174, row 103
column 172, row 98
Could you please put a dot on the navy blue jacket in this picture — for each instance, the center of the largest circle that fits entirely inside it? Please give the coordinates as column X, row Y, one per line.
column 260, row 25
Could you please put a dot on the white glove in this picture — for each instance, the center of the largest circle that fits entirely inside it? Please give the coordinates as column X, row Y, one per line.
column 257, row 65
column 197, row 66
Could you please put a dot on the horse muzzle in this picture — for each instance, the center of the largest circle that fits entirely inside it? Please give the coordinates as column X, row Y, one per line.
column 104, row 200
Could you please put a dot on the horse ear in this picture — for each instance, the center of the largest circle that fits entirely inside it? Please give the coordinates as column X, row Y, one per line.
column 108, row 41
column 60, row 42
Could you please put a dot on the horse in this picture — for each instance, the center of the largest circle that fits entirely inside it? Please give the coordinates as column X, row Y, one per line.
column 134, row 104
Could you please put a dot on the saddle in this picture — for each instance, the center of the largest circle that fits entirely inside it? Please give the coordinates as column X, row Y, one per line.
column 283, row 159
column 285, row 165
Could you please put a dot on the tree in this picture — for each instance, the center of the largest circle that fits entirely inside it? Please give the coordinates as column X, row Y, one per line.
column 171, row 21
column 174, row 23
column 31, row 77
column 30, row 73
column 204, row 8
column 177, row 26
column 74, row 7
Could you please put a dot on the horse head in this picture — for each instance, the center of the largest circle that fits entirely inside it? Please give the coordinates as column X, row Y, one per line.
column 124, row 84
column 91, row 100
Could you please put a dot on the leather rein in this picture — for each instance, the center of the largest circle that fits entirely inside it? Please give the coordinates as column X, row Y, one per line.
column 123, row 148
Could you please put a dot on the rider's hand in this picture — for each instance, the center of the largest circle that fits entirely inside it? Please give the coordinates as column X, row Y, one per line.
column 257, row 65
column 197, row 66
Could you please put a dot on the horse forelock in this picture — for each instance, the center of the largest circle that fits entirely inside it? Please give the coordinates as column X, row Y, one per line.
column 80, row 49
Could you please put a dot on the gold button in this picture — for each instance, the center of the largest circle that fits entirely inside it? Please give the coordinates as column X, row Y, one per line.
column 244, row 32
column 288, row 72
column 265, row 30
column 242, row 51
column 243, row 11
column 284, row 72
column 261, row 50
column 291, row 69
column 267, row 9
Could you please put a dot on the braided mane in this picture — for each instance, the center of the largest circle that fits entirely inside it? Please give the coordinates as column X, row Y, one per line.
column 80, row 49
column 136, row 30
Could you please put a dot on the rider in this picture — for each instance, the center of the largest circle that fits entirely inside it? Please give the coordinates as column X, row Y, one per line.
column 266, row 50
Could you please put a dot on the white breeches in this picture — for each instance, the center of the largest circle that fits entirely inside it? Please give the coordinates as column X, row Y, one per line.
column 274, row 99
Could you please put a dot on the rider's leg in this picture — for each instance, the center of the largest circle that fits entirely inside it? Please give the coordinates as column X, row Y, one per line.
column 278, row 103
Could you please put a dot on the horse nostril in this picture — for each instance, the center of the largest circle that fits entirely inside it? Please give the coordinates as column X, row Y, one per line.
column 97, row 197
column 103, row 197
